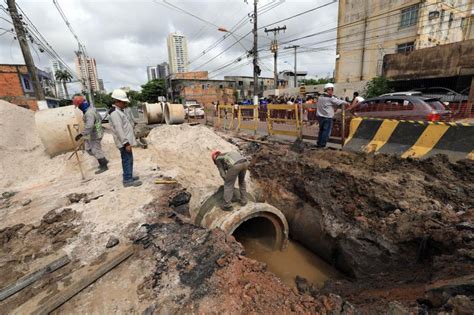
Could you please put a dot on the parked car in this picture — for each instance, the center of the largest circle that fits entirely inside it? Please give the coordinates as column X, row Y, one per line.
column 194, row 111
column 443, row 94
column 403, row 107
column 406, row 93
column 104, row 114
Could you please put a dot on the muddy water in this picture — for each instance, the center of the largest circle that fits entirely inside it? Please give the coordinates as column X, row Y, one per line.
column 294, row 261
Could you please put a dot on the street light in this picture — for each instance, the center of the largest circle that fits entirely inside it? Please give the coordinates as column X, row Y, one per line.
column 224, row 30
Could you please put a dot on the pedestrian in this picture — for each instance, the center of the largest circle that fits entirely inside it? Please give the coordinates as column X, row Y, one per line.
column 231, row 165
column 124, row 136
column 325, row 113
column 92, row 132
column 356, row 100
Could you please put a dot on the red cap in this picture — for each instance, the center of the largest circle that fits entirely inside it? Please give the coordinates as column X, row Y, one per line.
column 215, row 154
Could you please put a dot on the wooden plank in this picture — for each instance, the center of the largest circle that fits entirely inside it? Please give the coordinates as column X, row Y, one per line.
column 26, row 280
column 82, row 279
column 75, row 151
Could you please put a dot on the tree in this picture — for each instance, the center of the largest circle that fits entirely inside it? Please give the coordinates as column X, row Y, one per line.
column 153, row 89
column 103, row 99
column 377, row 86
column 63, row 76
column 317, row 81
column 135, row 97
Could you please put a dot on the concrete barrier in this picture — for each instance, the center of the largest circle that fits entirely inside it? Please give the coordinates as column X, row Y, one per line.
column 407, row 138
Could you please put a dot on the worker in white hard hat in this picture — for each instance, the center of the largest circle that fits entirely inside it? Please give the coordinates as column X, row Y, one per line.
column 325, row 113
column 124, row 136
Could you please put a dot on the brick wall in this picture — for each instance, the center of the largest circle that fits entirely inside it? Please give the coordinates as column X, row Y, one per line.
column 11, row 89
column 197, row 75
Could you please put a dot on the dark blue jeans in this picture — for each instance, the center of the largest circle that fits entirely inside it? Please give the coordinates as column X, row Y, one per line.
column 127, row 164
column 325, row 126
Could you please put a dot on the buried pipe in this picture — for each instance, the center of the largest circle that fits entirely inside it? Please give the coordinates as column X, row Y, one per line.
column 211, row 216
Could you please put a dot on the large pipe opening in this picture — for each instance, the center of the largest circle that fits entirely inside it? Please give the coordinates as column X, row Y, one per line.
column 256, row 229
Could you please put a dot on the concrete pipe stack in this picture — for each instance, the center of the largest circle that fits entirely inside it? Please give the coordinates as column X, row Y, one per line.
column 51, row 125
column 158, row 113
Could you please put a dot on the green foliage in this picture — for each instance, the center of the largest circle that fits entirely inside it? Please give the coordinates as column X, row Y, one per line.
column 377, row 86
column 63, row 76
column 316, row 81
column 135, row 97
column 103, row 99
column 151, row 91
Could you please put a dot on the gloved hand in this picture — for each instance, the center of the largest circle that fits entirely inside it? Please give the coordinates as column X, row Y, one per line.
column 78, row 137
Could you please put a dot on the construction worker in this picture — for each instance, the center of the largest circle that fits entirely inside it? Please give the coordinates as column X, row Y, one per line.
column 92, row 133
column 124, row 136
column 325, row 113
column 231, row 165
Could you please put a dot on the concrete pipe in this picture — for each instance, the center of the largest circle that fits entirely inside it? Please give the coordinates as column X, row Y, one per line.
column 51, row 125
column 153, row 113
column 174, row 113
column 211, row 216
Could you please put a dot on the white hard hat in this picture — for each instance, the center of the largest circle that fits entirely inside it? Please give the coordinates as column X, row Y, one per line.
column 120, row 95
column 329, row 86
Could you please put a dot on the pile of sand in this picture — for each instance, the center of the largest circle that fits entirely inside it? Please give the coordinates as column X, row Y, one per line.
column 184, row 153
column 17, row 128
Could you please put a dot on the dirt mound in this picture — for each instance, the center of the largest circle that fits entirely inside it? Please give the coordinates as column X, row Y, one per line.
column 375, row 216
column 182, row 150
column 17, row 128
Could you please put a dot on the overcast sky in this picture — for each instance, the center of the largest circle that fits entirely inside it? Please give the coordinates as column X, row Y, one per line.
column 126, row 36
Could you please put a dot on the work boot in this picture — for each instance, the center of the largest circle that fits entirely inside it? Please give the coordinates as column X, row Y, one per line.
column 136, row 177
column 102, row 166
column 132, row 183
column 227, row 207
column 243, row 201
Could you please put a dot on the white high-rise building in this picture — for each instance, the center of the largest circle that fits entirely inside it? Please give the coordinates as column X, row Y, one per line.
column 177, row 53
column 152, row 73
column 56, row 65
column 86, row 67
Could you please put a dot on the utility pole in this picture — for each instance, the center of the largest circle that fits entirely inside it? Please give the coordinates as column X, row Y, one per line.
column 274, row 50
column 295, row 47
column 25, row 49
column 256, row 68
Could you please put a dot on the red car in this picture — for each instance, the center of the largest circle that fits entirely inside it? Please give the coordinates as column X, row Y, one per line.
column 402, row 107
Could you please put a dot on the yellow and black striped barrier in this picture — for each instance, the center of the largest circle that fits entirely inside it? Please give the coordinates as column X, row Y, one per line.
column 409, row 138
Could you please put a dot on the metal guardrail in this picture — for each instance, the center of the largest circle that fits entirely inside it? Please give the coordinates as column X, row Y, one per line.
column 228, row 122
column 294, row 120
column 246, row 120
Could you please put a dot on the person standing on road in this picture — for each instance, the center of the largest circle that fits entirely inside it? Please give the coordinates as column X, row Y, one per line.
column 124, row 136
column 92, row 133
column 231, row 165
column 325, row 113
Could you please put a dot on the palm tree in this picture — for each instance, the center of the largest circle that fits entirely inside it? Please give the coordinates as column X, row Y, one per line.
column 63, row 76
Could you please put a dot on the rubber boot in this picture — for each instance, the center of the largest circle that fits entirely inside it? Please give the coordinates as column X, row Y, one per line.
column 102, row 165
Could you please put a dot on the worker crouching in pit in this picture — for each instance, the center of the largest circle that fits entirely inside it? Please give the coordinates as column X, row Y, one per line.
column 231, row 165
column 92, row 133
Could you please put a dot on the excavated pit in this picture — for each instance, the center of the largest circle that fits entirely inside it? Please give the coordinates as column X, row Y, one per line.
column 394, row 226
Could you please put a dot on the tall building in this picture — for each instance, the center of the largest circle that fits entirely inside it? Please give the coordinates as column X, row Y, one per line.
column 369, row 29
column 163, row 70
column 177, row 53
column 55, row 66
column 151, row 72
column 87, row 68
